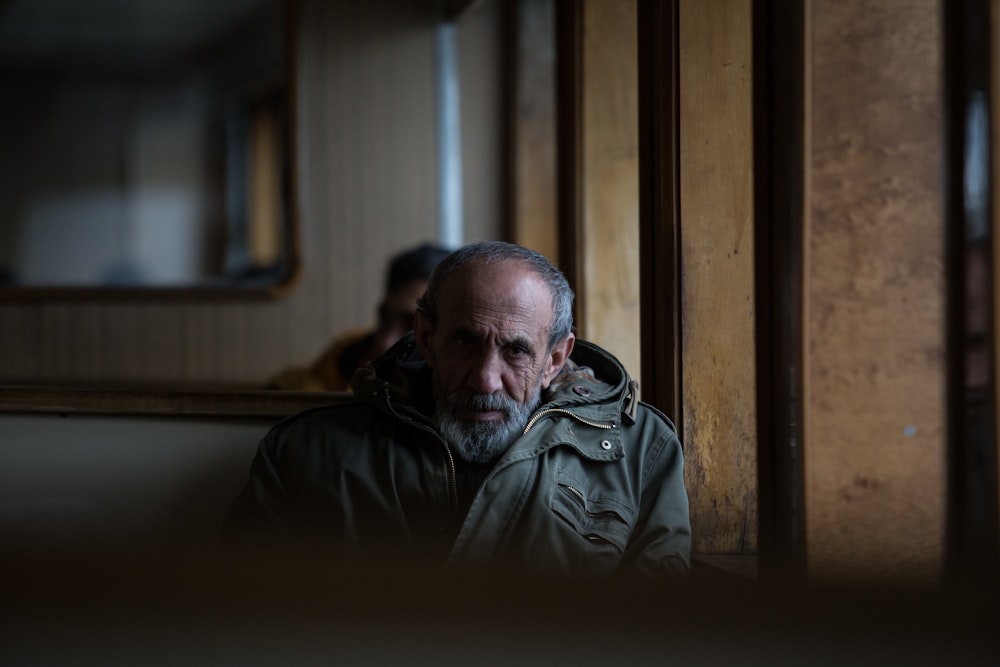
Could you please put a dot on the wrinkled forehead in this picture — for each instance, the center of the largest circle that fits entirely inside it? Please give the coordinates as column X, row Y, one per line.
column 497, row 292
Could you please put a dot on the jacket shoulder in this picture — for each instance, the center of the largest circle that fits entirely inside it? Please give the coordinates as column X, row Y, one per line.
column 321, row 416
column 652, row 412
column 653, row 425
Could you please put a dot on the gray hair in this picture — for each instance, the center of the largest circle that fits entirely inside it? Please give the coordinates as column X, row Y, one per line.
column 488, row 252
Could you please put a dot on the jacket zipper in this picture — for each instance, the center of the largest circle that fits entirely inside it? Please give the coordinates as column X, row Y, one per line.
column 562, row 411
column 452, row 475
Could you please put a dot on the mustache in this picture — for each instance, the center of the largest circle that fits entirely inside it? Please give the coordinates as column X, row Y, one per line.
column 483, row 402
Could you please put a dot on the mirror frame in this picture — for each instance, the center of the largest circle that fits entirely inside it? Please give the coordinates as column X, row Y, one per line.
column 206, row 403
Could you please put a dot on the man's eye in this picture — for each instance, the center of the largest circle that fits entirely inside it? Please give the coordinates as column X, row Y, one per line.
column 517, row 351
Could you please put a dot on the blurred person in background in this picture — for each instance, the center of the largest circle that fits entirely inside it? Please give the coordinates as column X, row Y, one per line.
column 405, row 280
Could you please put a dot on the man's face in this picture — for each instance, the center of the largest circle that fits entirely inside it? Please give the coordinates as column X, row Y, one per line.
column 489, row 355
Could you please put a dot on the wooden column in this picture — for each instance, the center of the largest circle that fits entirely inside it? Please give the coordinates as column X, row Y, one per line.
column 608, row 249
column 717, row 273
column 532, row 127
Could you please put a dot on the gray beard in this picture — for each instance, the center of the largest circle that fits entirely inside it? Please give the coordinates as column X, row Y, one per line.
column 482, row 442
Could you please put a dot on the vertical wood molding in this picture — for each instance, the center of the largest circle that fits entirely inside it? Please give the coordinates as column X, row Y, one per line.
column 533, row 200
column 568, row 145
column 659, row 237
column 479, row 49
column 609, row 180
column 779, row 101
column 995, row 186
column 972, row 547
column 717, row 272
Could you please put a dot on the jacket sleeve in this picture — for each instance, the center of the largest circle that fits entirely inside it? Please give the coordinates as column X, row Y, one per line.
column 263, row 513
column 313, row 481
column 661, row 539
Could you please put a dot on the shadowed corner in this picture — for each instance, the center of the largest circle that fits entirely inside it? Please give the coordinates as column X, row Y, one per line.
column 128, row 606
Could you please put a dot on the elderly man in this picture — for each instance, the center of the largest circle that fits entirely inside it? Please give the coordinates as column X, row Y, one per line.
column 489, row 437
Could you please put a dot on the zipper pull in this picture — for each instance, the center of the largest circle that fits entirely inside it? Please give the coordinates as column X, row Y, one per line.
column 633, row 402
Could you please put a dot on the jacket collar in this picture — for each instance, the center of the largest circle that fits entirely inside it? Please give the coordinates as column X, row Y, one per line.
column 593, row 384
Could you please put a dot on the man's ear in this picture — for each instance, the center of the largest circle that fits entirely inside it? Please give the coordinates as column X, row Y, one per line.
column 557, row 359
column 422, row 334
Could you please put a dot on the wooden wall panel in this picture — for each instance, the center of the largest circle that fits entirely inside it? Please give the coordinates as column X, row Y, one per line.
column 873, row 332
column 717, row 322
column 370, row 169
column 367, row 168
column 480, row 63
column 609, row 280
column 533, row 183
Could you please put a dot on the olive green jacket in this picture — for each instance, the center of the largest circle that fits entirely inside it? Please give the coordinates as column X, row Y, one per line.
column 595, row 485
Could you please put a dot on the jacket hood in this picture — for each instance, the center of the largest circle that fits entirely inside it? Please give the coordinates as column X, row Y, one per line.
column 593, row 383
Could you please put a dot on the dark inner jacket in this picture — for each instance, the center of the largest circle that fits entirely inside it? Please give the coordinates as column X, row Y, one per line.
column 594, row 485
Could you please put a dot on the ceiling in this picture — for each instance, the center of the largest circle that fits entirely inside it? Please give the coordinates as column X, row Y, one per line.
column 39, row 33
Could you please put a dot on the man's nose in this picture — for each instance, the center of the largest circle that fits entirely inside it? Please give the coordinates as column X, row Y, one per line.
column 486, row 377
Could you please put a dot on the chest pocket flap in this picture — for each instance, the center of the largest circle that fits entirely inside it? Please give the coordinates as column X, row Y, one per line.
column 599, row 520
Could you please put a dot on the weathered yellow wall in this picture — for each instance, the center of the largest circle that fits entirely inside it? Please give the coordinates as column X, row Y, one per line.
column 874, row 289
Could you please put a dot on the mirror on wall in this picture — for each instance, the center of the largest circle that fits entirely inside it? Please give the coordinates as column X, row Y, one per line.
column 146, row 144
